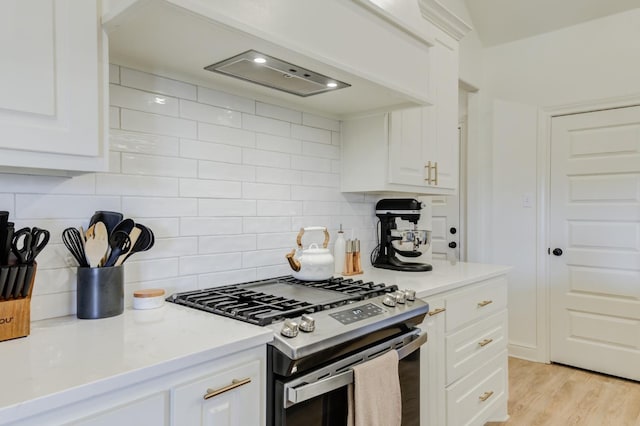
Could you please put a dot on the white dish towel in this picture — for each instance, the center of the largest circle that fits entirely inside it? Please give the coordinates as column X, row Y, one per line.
column 374, row 396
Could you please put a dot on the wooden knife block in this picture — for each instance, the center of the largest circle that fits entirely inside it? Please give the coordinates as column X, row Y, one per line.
column 15, row 314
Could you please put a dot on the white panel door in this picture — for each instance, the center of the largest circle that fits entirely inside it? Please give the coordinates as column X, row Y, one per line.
column 595, row 221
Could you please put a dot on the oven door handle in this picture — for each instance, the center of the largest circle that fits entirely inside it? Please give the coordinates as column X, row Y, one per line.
column 307, row 391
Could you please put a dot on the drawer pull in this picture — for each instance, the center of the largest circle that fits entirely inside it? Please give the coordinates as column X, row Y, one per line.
column 436, row 311
column 485, row 342
column 484, row 303
column 485, row 396
column 235, row 383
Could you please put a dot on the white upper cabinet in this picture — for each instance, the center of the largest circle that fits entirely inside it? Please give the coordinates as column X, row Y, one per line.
column 53, row 85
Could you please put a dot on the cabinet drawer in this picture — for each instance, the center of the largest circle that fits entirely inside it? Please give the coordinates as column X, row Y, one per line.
column 475, row 303
column 473, row 400
column 237, row 403
column 473, row 346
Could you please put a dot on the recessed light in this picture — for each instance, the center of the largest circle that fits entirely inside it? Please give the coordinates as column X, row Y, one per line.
column 259, row 60
column 332, row 84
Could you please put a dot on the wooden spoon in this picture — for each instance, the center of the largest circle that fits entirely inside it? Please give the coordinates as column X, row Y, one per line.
column 133, row 236
column 97, row 244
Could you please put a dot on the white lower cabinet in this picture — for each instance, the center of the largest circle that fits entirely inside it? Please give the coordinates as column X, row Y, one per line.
column 228, row 391
column 464, row 362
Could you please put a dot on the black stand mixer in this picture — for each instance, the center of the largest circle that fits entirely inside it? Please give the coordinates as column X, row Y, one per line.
column 394, row 241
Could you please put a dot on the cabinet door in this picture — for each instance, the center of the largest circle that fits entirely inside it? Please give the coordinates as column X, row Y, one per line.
column 237, row 404
column 52, row 106
column 432, row 366
column 406, row 165
column 445, row 114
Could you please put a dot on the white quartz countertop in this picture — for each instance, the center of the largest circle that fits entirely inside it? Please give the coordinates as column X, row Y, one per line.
column 65, row 359
column 445, row 276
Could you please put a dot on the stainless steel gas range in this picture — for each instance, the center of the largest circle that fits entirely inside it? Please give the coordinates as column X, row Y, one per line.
column 321, row 330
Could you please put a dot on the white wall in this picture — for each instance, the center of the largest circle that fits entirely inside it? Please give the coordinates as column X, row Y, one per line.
column 225, row 183
column 592, row 61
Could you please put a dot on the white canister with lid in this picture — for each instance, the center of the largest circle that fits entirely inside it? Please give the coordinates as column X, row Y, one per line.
column 150, row 298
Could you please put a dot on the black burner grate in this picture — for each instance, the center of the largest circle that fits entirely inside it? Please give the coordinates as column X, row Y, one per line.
column 283, row 297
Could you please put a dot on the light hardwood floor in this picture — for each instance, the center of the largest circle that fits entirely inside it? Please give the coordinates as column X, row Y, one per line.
column 557, row 395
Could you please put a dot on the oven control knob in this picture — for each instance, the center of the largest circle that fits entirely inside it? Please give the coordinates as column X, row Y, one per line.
column 389, row 300
column 289, row 328
column 410, row 295
column 399, row 297
column 307, row 324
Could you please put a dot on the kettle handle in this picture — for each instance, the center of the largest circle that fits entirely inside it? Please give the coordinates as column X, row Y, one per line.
column 325, row 244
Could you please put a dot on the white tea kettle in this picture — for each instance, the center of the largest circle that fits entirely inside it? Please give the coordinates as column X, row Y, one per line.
column 314, row 263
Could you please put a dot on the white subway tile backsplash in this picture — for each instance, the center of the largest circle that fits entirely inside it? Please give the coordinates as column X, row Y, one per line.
column 209, row 207
column 286, row 240
column 320, row 150
column 156, row 84
column 210, row 263
column 115, row 184
column 278, row 112
column 210, row 225
column 279, row 208
column 210, row 114
column 81, row 184
column 312, row 120
column 114, row 118
column 226, row 244
column 311, row 134
column 226, row 171
column 273, row 175
column 265, row 158
column 158, row 207
column 210, row 151
column 158, row 166
column 266, row 125
column 143, row 143
column 226, row 135
column 114, row 74
column 226, row 100
column 265, row 191
column 156, row 123
column 217, row 279
column 177, row 152
column 321, row 179
column 156, row 269
column 278, row 143
column 202, row 188
column 259, row 225
column 299, row 162
column 126, row 97
column 252, row 259
column 63, row 206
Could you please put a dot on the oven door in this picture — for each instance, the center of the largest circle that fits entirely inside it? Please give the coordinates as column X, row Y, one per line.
column 319, row 398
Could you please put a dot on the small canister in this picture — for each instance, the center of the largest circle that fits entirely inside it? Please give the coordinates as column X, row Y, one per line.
column 150, row 298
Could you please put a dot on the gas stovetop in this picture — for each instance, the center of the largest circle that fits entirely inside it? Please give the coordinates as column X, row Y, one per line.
column 267, row 301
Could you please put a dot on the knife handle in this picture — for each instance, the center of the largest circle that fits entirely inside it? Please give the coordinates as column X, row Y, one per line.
column 28, row 280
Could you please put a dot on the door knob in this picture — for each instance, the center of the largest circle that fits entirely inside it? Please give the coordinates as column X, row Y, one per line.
column 453, row 230
column 557, row 252
column 453, row 244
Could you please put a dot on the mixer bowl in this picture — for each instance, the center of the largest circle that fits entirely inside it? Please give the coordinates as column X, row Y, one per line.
column 412, row 239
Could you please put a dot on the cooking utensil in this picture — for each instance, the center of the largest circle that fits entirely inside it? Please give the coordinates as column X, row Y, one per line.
column 5, row 243
column 21, row 245
column 75, row 244
column 11, row 280
column 19, row 284
column 110, row 219
column 145, row 240
column 27, row 280
column 119, row 240
column 133, row 239
column 314, row 263
column 97, row 244
column 4, row 272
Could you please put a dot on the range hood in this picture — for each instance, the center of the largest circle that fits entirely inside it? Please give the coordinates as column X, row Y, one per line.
column 185, row 39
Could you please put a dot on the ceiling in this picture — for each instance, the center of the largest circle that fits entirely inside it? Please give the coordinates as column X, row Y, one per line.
column 503, row 21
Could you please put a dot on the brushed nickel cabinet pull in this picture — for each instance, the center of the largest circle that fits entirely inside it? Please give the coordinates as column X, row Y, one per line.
column 485, row 396
column 428, row 167
column 436, row 311
column 484, row 303
column 435, row 169
column 485, row 342
column 235, row 383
